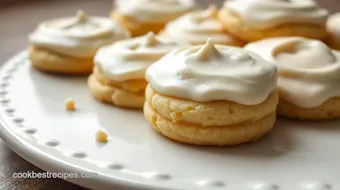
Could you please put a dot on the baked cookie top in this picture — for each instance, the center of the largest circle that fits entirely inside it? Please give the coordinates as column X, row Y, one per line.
column 309, row 71
column 78, row 36
column 195, row 27
column 128, row 59
column 270, row 13
column 154, row 10
column 213, row 72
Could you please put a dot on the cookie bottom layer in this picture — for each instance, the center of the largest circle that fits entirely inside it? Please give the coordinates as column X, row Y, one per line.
column 114, row 95
column 236, row 26
column 136, row 28
column 216, row 113
column 328, row 110
column 213, row 135
column 61, row 64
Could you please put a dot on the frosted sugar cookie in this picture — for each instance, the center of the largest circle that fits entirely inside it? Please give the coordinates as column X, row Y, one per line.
column 309, row 76
column 197, row 26
column 68, row 45
column 142, row 16
column 211, row 95
column 259, row 19
column 118, row 76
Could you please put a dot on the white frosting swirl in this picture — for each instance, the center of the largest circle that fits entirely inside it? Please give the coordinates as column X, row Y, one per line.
column 208, row 73
column 309, row 72
column 78, row 36
column 270, row 13
column 154, row 10
column 333, row 25
column 128, row 59
column 196, row 27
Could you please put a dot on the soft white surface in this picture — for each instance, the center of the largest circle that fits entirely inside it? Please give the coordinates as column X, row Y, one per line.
column 295, row 156
column 128, row 59
column 154, row 10
column 78, row 36
column 209, row 72
column 333, row 25
column 269, row 13
column 197, row 26
column 308, row 76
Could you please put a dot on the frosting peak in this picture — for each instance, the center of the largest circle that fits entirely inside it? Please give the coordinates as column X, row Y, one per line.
column 81, row 16
column 78, row 36
column 150, row 40
column 80, row 26
column 155, row 10
column 195, row 27
column 128, row 59
column 211, row 12
column 309, row 71
column 207, row 52
column 213, row 72
column 306, row 54
column 270, row 13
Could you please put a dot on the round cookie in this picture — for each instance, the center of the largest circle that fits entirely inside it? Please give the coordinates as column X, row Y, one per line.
column 190, row 123
column 328, row 110
column 126, row 94
column 143, row 16
column 308, row 82
column 48, row 61
column 197, row 26
column 260, row 19
column 211, row 95
column 118, row 75
column 214, row 113
column 68, row 45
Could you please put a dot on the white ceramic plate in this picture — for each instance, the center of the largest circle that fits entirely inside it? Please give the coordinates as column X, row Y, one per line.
column 294, row 156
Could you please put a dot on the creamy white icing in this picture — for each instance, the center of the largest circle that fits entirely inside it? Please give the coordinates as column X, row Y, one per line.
column 196, row 27
column 78, row 36
column 333, row 25
column 213, row 72
column 269, row 13
column 309, row 72
column 154, row 10
column 128, row 59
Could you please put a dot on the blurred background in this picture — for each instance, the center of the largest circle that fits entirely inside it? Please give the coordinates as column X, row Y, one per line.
column 20, row 17
column 17, row 19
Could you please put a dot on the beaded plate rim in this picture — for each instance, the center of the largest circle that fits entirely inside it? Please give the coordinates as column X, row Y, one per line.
column 42, row 160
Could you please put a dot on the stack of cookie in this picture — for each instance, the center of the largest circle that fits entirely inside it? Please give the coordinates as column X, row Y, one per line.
column 211, row 95
column 203, row 76
column 118, row 75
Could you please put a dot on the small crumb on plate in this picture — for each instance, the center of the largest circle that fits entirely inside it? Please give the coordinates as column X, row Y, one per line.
column 70, row 104
column 101, row 136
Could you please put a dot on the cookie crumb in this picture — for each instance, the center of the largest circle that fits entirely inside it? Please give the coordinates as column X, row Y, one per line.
column 70, row 104
column 101, row 136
